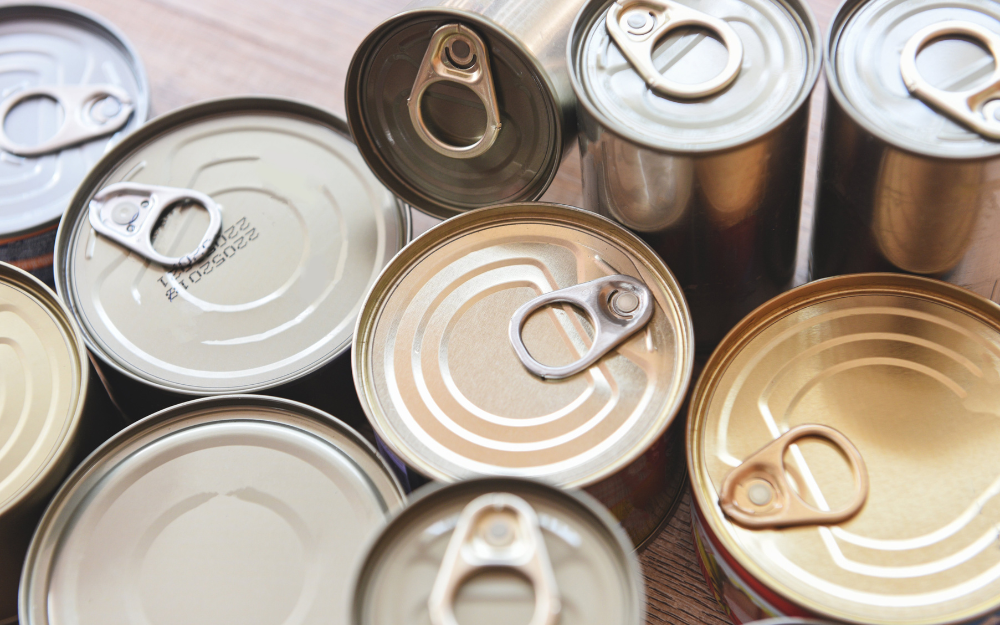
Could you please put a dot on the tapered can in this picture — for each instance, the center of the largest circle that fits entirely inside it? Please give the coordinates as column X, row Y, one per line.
column 842, row 452
column 226, row 248
column 460, row 104
column 71, row 86
column 910, row 172
column 693, row 118
column 235, row 509
column 494, row 551
column 537, row 341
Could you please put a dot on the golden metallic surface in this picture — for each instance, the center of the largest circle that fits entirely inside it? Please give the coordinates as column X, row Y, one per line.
column 908, row 369
column 443, row 386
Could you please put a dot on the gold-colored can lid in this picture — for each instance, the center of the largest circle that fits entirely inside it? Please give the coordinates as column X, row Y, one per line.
column 843, row 449
column 43, row 371
column 470, row 360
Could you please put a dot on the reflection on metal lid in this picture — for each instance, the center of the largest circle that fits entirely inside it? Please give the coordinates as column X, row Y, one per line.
column 908, row 369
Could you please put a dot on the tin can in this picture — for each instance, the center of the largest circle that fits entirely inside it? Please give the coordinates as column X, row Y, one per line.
column 72, row 86
column 268, row 304
column 460, row 104
column 842, row 453
column 693, row 121
column 494, row 551
column 451, row 340
column 227, row 509
column 910, row 182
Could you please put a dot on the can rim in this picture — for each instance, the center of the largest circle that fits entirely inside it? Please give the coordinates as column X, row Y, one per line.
column 73, row 12
column 426, row 496
column 191, row 113
column 745, row 332
column 39, row 558
column 575, row 40
column 446, row 231
column 45, row 296
column 843, row 15
column 356, row 119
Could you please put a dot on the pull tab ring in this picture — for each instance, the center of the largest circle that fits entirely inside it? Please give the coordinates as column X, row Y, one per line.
column 497, row 530
column 977, row 109
column 757, row 494
column 83, row 120
column 638, row 25
column 456, row 54
column 127, row 212
column 618, row 306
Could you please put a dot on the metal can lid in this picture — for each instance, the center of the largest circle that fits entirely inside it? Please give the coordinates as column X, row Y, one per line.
column 906, row 370
column 228, row 510
column 442, row 379
column 306, row 228
column 865, row 48
column 780, row 63
column 593, row 575
column 57, row 46
column 520, row 164
column 43, row 374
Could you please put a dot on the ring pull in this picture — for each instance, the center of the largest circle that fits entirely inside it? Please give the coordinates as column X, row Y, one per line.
column 978, row 109
column 127, row 212
column 91, row 111
column 637, row 25
column 618, row 307
column 456, row 54
column 497, row 530
column 757, row 495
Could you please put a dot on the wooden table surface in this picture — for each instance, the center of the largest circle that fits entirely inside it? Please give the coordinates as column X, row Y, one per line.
column 198, row 49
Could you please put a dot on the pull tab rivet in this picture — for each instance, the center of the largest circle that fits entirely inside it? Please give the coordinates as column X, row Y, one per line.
column 625, row 302
column 499, row 534
column 124, row 213
column 760, row 493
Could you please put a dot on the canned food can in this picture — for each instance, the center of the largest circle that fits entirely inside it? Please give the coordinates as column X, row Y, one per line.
column 842, row 452
column 44, row 376
column 693, row 117
column 460, row 104
column 227, row 247
column 531, row 340
column 494, row 551
column 71, row 86
column 233, row 509
column 910, row 171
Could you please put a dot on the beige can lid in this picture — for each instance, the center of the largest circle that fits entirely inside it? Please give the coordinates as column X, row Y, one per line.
column 43, row 374
column 907, row 370
column 445, row 389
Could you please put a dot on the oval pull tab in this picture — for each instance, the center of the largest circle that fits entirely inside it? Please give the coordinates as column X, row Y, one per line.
column 637, row 25
column 978, row 109
column 456, row 54
column 90, row 111
column 618, row 307
column 497, row 530
column 127, row 212
column 757, row 494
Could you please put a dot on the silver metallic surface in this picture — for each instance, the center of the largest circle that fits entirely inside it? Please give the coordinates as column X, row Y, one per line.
column 128, row 212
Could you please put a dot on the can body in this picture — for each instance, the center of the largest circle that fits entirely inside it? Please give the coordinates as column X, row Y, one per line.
column 536, row 105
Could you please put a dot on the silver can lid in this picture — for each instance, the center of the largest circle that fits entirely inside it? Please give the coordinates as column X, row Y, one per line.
column 240, row 509
column 549, row 550
column 306, row 229
column 49, row 49
column 866, row 46
column 623, row 68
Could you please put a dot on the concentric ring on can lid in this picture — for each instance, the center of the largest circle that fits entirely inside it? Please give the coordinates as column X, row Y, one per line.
column 50, row 45
column 781, row 60
column 43, row 375
column 440, row 379
column 908, row 370
column 863, row 71
column 306, row 228
column 596, row 574
column 224, row 510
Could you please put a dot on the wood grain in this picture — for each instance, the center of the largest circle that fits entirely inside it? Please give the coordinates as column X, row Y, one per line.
column 198, row 49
